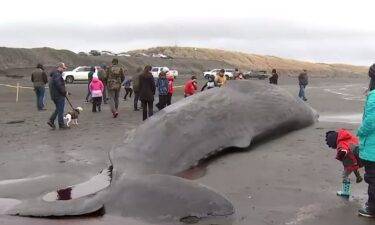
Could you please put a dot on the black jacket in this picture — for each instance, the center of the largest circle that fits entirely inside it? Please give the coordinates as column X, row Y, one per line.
column 303, row 79
column 273, row 79
column 146, row 87
column 57, row 85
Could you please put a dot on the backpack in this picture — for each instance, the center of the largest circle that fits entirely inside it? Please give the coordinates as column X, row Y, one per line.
column 114, row 78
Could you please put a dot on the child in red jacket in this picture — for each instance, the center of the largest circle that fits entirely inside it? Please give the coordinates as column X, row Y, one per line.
column 191, row 86
column 346, row 145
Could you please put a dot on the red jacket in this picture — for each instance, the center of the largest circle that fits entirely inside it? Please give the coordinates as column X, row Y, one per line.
column 170, row 84
column 190, row 87
column 344, row 152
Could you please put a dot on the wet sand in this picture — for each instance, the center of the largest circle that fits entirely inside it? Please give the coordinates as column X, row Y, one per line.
column 290, row 179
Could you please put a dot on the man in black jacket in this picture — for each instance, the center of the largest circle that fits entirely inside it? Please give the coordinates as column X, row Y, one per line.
column 58, row 93
column 147, row 91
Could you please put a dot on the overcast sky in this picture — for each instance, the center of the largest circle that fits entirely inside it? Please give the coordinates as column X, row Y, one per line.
column 315, row 30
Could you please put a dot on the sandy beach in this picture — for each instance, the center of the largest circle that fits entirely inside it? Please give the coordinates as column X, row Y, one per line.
column 290, row 179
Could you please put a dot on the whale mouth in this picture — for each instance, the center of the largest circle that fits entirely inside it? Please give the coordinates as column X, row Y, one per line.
column 97, row 183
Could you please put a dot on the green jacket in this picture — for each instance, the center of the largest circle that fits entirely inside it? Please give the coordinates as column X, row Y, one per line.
column 366, row 132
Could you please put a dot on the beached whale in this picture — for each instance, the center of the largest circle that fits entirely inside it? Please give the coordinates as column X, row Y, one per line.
column 141, row 181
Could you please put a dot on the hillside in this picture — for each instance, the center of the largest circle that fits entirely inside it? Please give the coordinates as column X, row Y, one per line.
column 246, row 61
column 189, row 61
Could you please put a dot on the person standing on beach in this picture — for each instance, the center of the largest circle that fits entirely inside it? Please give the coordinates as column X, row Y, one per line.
column 147, row 92
column 162, row 86
column 90, row 76
column 102, row 77
column 170, row 79
column 136, row 87
column 303, row 82
column 39, row 79
column 274, row 78
column 58, row 93
column 366, row 135
column 115, row 77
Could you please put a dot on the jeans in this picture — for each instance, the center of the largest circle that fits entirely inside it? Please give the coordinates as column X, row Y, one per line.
column 113, row 100
column 301, row 93
column 39, row 91
column 128, row 91
column 88, row 96
column 96, row 102
column 370, row 180
column 136, row 99
column 105, row 94
column 150, row 106
column 59, row 111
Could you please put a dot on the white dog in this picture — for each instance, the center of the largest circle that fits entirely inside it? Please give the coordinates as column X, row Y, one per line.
column 73, row 116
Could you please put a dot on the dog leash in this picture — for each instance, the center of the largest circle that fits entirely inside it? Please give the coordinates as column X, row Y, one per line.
column 69, row 102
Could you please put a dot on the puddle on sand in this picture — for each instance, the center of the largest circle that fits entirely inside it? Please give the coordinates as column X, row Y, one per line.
column 92, row 186
column 341, row 118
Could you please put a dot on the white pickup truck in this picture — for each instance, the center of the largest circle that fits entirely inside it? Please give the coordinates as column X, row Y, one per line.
column 157, row 69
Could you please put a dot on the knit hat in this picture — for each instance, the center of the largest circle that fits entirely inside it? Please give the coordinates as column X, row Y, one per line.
column 331, row 139
column 371, row 72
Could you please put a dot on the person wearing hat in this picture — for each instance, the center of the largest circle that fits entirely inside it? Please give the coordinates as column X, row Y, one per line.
column 58, row 93
column 346, row 145
column 303, row 81
column 39, row 79
column 366, row 135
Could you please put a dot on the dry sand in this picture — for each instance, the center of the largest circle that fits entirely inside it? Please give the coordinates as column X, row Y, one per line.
column 289, row 180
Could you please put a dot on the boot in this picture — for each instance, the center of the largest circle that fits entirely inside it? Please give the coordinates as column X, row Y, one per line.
column 366, row 212
column 345, row 192
column 358, row 176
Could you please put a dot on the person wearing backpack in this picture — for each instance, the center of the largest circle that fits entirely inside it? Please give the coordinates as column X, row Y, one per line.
column 115, row 77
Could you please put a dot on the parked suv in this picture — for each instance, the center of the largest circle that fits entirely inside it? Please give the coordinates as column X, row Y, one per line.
column 157, row 69
column 257, row 74
column 228, row 73
column 79, row 73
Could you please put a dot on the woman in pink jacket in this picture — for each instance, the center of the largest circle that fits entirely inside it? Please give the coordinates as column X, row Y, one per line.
column 96, row 89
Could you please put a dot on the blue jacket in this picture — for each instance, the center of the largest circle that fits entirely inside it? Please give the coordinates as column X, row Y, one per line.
column 162, row 85
column 57, row 86
column 366, row 132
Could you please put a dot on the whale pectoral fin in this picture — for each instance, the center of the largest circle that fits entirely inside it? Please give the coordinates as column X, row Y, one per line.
column 165, row 196
column 80, row 199
column 40, row 208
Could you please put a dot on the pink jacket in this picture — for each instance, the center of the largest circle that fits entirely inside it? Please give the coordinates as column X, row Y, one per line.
column 96, row 87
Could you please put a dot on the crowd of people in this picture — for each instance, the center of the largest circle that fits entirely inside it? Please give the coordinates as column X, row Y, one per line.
column 105, row 87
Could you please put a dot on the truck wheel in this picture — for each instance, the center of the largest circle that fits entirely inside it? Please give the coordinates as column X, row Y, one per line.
column 228, row 78
column 69, row 79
